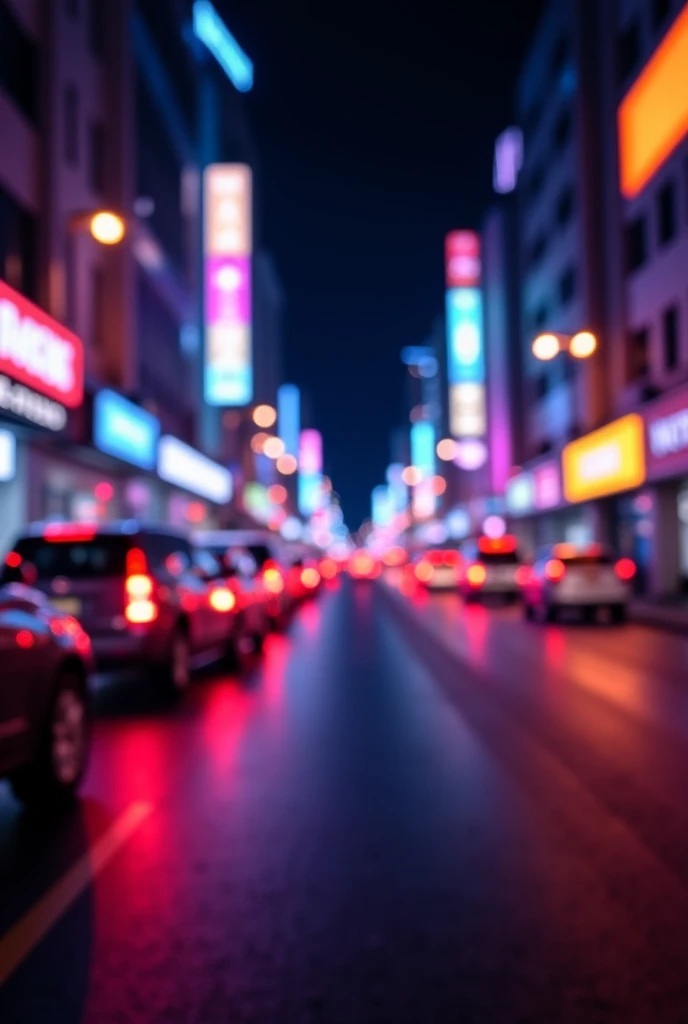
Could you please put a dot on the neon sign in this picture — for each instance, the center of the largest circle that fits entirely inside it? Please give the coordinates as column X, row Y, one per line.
column 211, row 30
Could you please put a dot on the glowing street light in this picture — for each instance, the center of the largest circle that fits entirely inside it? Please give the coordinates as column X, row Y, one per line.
column 446, row 450
column 411, row 476
column 273, row 447
column 107, row 228
column 546, row 347
column 581, row 345
column 287, row 465
column 264, row 416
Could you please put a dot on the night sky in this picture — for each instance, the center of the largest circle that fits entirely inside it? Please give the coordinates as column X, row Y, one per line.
column 375, row 124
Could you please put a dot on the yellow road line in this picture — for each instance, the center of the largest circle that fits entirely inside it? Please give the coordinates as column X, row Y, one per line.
column 30, row 929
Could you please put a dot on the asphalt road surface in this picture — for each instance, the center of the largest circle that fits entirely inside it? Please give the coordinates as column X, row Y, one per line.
column 407, row 812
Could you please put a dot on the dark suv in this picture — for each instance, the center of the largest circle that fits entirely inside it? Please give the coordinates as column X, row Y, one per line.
column 142, row 594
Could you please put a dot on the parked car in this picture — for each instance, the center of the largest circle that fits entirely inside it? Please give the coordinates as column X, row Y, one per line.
column 44, row 707
column 490, row 567
column 582, row 578
column 437, row 569
column 272, row 557
column 236, row 569
column 139, row 591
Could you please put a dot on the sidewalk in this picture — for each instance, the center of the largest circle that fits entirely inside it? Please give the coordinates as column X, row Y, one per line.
column 664, row 616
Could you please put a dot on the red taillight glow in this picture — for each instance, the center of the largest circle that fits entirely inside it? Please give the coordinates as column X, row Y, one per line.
column 555, row 570
column 139, row 586
column 328, row 569
column 476, row 574
column 25, row 639
column 141, row 612
column 310, row 578
column 625, row 569
column 69, row 532
column 13, row 560
column 140, row 609
column 424, row 571
column 524, row 575
column 272, row 578
column 222, row 599
column 497, row 545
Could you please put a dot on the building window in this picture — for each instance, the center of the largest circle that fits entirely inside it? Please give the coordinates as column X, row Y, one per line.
column 636, row 244
column 97, row 157
column 638, row 355
column 670, row 335
column 72, row 8
column 540, row 316
column 541, row 386
column 660, row 12
column 562, row 130
column 98, row 309
column 535, row 182
column 96, row 27
column 537, row 250
column 18, row 246
column 559, row 57
column 666, row 213
column 18, row 64
column 71, row 125
column 567, row 286
column 565, row 207
column 628, row 52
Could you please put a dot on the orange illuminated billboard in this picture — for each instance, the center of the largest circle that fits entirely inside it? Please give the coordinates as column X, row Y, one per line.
column 610, row 460
column 653, row 117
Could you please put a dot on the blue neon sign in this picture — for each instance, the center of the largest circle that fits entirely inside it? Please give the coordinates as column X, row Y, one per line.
column 465, row 336
column 423, row 447
column 124, row 430
column 211, row 30
column 289, row 417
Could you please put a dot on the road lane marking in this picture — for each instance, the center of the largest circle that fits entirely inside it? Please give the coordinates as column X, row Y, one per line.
column 27, row 933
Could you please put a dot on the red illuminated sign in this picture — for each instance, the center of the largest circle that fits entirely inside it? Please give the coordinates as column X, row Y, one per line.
column 462, row 259
column 38, row 352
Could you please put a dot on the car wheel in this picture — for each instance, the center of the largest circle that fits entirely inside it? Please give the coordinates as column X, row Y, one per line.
column 178, row 669
column 63, row 754
column 619, row 614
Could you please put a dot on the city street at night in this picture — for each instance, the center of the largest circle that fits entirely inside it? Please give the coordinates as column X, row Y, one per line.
column 407, row 810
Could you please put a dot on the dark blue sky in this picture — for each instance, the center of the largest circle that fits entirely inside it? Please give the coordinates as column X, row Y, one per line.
column 375, row 123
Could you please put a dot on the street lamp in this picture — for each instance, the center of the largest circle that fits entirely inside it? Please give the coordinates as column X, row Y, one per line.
column 105, row 226
column 548, row 346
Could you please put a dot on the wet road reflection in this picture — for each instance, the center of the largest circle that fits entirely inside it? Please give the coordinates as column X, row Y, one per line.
column 406, row 811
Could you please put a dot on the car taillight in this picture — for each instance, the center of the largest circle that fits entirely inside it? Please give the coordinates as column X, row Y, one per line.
column 222, row 599
column 476, row 574
column 310, row 578
column 13, row 560
column 328, row 569
column 140, row 609
column 272, row 578
column 524, row 575
column 625, row 569
column 555, row 570
column 424, row 571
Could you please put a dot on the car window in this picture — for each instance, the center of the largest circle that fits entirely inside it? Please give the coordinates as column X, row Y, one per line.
column 168, row 553
column 261, row 553
column 206, row 565
column 101, row 556
column 501, row 558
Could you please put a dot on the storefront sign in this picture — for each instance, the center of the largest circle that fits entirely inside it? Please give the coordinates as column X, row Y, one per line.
column 184, row 467
column 227, row 251
column 38, row 352
column 8, row 456
column 608, row 461
column 547, row 479
column 666, row 424
column 520, row 494
column 465, row 344
column 124, row 430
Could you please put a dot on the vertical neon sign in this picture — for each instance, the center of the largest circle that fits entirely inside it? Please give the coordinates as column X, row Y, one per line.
column 465, row 344
column 289, row 417
column 227, row 249
column 310, row 472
